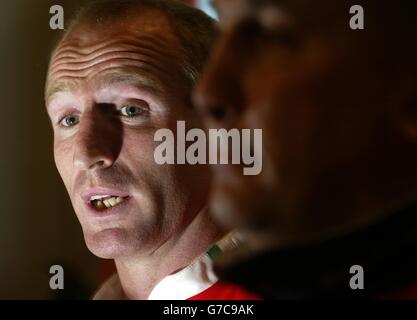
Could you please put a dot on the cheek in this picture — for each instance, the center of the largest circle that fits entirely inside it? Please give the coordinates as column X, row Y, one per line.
column 137, row 154
column 178, row 185
column 286, row 113
column 138, row 146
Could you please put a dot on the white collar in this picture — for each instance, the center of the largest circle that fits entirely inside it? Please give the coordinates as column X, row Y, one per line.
column 195, row 278
column 182, row 285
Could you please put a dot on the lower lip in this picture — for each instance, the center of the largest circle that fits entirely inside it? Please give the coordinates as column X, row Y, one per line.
column 116, row 210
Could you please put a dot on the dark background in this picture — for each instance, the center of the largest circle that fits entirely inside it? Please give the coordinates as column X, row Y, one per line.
column 38, row 226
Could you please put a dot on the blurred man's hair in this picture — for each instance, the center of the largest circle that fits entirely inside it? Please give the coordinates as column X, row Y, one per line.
column 192, row 27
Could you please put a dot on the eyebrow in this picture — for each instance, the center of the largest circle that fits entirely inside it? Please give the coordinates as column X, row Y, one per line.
column 55, row 88
column 122, row 77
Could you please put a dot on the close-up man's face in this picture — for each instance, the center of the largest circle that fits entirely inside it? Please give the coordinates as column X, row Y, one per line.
column 109, row 89
column 313, row 85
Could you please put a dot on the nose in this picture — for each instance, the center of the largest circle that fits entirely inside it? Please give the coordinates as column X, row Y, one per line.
column 219, row 93
column 98, row 141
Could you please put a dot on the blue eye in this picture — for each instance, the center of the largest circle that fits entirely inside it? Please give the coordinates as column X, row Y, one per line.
column 70, row 120
column 131, row 111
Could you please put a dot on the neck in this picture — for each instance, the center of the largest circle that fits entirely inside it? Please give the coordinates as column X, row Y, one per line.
column 139, row 275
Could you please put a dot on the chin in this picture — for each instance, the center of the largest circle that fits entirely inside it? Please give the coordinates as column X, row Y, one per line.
column 226, row 208
column 243, row 209
column 110, row 243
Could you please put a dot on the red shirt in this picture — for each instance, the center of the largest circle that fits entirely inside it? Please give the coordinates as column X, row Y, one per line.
column 225, row 291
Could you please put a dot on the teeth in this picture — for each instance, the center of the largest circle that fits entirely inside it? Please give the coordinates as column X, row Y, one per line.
column 112, row 201
column 99, row 204
column 106, row 203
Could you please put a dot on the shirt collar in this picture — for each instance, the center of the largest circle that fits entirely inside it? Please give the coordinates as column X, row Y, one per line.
column 184, row 284
column 197, row 277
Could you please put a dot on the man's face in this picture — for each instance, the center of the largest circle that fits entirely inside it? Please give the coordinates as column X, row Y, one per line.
column 109, row 89
column 314, row 86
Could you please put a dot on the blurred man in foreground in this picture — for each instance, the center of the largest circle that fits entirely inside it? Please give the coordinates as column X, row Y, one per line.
column 337, row 197
column 123, row 70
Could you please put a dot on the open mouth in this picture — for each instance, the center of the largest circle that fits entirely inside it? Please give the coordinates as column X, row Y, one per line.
column 104, row 202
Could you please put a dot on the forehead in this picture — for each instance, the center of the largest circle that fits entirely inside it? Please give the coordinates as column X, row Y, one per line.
column 313, row 20
column 306, row 10
column 141, row 47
